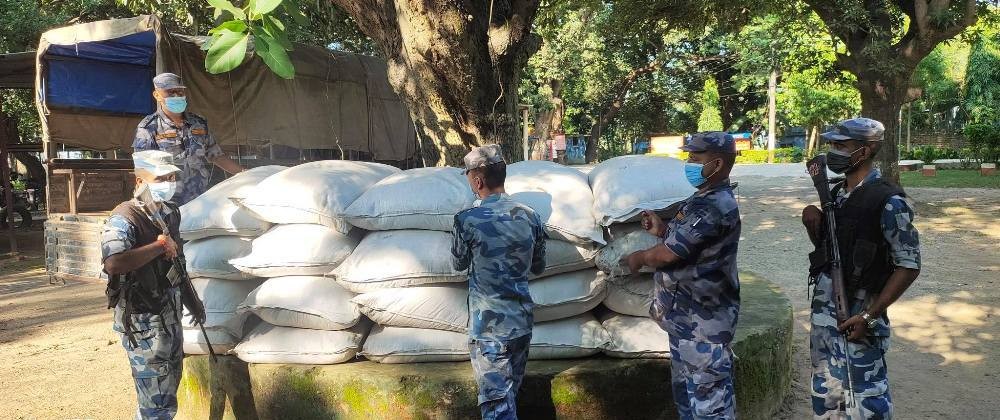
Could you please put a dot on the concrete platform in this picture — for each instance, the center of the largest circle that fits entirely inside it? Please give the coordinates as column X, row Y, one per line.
column 592, row 388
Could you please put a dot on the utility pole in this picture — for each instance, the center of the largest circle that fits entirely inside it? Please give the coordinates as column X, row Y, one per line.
column 772, row 112
column 909, row 118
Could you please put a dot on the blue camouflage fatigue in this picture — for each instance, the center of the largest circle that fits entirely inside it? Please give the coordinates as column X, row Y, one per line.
column 156, row 360
column 192, row 145
column 698, row 298
column 697, row 301
column 499, row 368
column 499, row 242
column 702, row 379
column 870, row 384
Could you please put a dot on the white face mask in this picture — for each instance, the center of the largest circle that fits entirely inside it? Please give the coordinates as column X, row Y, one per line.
column 162, row 191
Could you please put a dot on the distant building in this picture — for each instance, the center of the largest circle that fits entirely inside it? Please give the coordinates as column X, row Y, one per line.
column 665, row 144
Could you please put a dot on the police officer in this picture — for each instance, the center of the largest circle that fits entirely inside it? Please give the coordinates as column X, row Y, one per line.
column 184, row 135
column 147, row 307
column 499, row 242
column 880, row 253
column 697, row 291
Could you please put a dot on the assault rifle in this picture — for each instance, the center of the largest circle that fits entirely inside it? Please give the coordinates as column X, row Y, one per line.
column 178, row 274
column 817, row 170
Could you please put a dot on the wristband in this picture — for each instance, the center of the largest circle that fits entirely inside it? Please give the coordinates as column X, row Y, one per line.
column 868, row 319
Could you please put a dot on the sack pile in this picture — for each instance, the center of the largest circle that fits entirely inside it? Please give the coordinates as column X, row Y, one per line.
column 218, row 230
column 623, row 187
column 328, row 260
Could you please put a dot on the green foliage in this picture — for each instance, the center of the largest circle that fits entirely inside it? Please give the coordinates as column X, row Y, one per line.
column 982, row 80
column 19, row 184
column 984, row 140
column 227, row 48
column 781, row 155
column 809, row 100
column 930, row 153
column 710, row 119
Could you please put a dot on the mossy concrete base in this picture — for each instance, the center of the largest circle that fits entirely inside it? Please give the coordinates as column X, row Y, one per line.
column 593, row 388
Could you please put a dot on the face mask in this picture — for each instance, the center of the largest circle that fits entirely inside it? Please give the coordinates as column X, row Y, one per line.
column 175, row 104
column 693, row 173
column 162, row 191
column 839, row 162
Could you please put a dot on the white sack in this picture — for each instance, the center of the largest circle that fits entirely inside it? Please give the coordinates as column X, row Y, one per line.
column 634, row 337
column 624, row 186
column 415, row 345
column 579, row 336
column 297, row 250
column 623, row 241
column 194, row 341
column 564, row 257
column 210, row 257
column 398, row 258
column 438, row 306
column 317, row 303
column 222, row 299
column 561, row 197
column 422, row 198
column 316, row 192
column 630, row 295
column 214, row 213
column 567, row 295
column 271, row 344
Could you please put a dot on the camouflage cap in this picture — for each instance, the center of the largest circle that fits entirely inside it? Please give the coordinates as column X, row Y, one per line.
column 156, row 162
column 710, row 141
column 483, row 156
column 168, row 81
column 861, row 129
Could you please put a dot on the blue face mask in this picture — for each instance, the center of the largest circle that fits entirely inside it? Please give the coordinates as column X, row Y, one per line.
column 693, row 173
column 162, row 191
column 175, row 104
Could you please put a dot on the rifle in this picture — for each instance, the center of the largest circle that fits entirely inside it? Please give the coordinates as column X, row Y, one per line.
column 178, row 274
column 817, row 170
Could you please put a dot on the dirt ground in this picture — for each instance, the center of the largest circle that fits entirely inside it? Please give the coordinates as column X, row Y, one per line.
column 62, row 361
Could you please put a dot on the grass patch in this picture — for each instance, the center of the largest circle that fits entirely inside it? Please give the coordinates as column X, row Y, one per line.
column 950, row 178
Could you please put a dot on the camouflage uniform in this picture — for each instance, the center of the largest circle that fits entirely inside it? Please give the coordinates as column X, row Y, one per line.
column 499, row 242
column 870, row 383
column 157, row 357
column 697, row 302
column 191, row 144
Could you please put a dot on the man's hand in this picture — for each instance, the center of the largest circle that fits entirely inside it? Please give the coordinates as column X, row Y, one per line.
column 652, row 223
column 169, row 246
column 634, row 262
column 812, row 219
column 855, row 326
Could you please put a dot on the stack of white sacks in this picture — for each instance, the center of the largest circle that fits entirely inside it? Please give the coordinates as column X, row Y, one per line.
column 316, row 251
column 624, row 187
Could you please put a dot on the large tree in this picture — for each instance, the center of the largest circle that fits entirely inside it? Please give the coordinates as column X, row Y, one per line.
column 456, row 64
column 883, row 42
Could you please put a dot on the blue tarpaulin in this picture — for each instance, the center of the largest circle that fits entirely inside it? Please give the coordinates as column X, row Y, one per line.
column 113, row 75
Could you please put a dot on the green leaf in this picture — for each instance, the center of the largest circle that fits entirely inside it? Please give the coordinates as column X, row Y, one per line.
column 227, row 6
column 265, row 6
column 276, row 22
column 277, row 31
column 292, row 8
column 232, row 26
column 274, row 55
column 227, row 52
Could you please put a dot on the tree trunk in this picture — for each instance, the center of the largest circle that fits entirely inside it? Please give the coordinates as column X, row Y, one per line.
column 772, row 112
column 880, row 103
column 614, row 106
column 457, row 65
column 550, row 120
column 813, row 140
